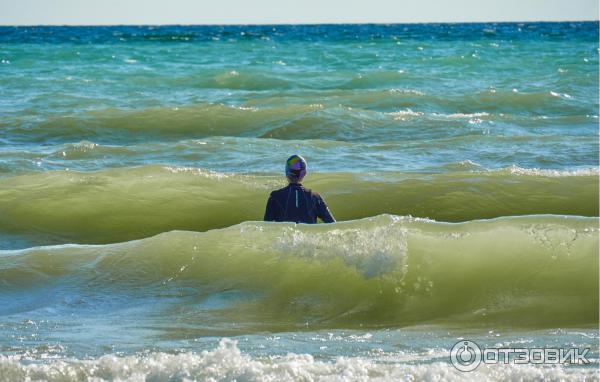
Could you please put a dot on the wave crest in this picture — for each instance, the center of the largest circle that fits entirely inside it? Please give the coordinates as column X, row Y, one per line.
column 131, row 203
column 532, row 271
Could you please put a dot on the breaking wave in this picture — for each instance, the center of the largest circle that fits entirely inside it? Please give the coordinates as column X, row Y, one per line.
column 130, row 203
column 531, row 271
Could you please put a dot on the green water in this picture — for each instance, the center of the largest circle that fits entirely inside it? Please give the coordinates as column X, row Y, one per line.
column 135, row 163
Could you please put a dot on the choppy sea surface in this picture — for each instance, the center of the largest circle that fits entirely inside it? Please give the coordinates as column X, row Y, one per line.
column 135, row 162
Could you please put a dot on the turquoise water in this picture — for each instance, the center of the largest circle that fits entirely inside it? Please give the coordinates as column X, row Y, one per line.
column 135, row 163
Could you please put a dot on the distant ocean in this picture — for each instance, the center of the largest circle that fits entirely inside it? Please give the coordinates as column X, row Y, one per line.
column 136, row 161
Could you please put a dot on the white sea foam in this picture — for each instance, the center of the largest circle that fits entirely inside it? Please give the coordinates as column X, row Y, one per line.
column 462, row 115
column 197, row 171
column 404, row 114
column 407, row 91
column 560, row 95
column 228, row 363
column 516, row 170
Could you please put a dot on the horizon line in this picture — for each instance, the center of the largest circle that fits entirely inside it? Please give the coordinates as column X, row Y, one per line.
column 308, row 23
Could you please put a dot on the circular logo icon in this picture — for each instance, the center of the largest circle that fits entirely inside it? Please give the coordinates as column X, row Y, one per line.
column 465, row 355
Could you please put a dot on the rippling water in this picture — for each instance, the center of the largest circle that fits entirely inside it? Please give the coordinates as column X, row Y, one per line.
column 135, row 163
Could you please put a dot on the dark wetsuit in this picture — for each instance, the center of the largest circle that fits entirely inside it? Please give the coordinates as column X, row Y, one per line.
column 295, row 203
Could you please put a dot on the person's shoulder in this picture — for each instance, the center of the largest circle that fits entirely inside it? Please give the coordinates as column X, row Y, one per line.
column 278, row 192
column 313, row 193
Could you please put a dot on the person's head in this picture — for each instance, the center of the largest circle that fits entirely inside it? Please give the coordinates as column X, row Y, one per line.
column 295, row 168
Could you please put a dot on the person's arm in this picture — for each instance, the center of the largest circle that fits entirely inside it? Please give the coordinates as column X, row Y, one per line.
column 271, row 211
column 323, row 212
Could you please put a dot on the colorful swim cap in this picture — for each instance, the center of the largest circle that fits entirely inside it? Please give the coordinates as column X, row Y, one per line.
column 295, row 167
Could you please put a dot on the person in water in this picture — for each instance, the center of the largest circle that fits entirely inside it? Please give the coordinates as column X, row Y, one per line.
column 294, row 203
